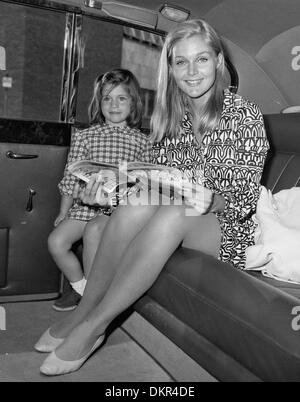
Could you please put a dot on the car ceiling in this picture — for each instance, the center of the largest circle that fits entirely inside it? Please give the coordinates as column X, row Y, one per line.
column 262, row 37
column 248, row 23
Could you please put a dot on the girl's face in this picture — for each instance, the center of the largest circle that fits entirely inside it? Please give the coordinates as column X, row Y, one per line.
column 194, row 65
column 115, row 105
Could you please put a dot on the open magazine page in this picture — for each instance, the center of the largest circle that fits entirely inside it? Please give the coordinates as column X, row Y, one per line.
column 84, row 169
column 114, row 175
column 161, row 179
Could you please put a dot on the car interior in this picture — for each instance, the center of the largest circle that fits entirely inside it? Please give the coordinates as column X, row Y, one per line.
column 202, row 320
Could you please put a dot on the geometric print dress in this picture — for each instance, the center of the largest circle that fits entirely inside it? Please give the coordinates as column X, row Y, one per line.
column 229, row 161
column 101, row 143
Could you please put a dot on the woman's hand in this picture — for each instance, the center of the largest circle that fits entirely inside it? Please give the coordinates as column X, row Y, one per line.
column 93, row 193
column 200, row 198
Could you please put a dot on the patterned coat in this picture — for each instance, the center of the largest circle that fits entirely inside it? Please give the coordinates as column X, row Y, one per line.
column 230, row 162
column 102, row 143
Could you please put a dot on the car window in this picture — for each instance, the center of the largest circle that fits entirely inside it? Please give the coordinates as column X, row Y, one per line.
column 47, row 72
column 108, row 45
column 32, row 43
column 50, row 57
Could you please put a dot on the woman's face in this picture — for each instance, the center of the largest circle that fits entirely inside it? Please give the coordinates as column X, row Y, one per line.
column 115, row 105
column 194, row 65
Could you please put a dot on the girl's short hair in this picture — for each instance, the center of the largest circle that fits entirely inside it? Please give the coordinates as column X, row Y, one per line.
column 171, row 103
column 115, row 78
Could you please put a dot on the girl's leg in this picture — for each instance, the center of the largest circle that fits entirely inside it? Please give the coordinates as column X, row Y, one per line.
column 122, row 227
column 138, row 269
column 60, row 243
column 91, row 239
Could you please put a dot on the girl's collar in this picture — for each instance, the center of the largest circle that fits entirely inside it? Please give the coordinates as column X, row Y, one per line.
column 116, row 126
column 123, row 129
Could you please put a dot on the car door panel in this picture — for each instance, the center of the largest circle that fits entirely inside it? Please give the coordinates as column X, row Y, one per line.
column 28, row 207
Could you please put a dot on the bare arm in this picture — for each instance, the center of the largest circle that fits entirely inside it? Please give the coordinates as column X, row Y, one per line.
column 65, row 204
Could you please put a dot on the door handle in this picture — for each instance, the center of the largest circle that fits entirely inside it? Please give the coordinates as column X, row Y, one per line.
column 29, row 205
column 13, row 155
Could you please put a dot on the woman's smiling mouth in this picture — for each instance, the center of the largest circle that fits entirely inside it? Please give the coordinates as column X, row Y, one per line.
column 193, row 83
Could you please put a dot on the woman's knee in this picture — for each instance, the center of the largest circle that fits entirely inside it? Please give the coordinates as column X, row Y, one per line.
column 133, row 216
column 130, row 212
column 174, row 212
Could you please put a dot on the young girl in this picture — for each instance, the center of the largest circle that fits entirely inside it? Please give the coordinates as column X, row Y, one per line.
column 115, row 113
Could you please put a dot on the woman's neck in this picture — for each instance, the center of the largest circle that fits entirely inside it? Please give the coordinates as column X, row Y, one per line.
column 196, row 110
column 197, row 105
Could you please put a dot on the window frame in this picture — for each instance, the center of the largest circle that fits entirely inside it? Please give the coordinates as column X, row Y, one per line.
column 72, row 51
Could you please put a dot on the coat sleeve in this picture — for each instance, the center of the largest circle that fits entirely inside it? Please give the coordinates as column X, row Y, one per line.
column 252, row 145
column 78, row 151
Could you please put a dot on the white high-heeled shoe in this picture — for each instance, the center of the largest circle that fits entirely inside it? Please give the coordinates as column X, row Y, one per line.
column 53, row 365
column 47, row 343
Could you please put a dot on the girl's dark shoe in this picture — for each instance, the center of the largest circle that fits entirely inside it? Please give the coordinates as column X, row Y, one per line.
column 67, row 302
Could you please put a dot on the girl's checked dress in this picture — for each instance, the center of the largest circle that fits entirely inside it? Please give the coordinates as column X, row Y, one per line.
column 101, row 143
column 229, row 161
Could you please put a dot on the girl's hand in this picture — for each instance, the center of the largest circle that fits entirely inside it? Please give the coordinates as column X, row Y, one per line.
column 93, row 193
column 59, row 218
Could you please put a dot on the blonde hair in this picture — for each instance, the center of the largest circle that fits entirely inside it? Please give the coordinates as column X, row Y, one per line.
column 115, row 78
column 171, row 102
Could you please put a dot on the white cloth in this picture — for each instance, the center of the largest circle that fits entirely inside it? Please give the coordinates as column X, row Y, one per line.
column 277, row 238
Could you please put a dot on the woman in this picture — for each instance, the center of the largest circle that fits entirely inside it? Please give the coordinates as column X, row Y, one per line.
column 217, row 139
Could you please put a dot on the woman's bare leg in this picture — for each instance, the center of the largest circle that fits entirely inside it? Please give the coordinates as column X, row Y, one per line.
column 137, row 271
column 91, row 239
column 122, row 227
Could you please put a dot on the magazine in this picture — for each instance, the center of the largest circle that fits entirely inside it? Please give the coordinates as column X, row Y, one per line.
column 84, row 169
column 114, row 175
column 119, row 178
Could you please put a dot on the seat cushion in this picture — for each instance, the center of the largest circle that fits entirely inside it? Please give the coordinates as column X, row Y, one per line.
column 247, row 318
column 291, row 288
column 282, row 170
